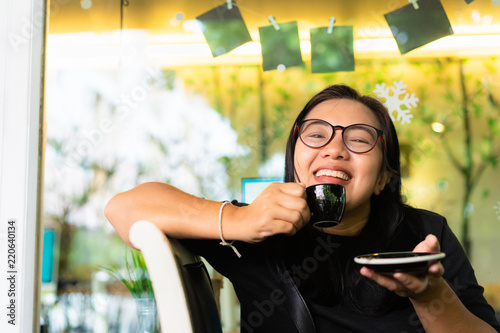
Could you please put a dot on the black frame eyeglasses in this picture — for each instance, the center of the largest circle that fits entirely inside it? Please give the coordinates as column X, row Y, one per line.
column 358, row 138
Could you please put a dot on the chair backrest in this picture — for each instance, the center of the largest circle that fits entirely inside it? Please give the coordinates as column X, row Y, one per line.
column 182, row 286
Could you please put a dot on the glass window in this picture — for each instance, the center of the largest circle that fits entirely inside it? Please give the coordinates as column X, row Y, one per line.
column 138, row 92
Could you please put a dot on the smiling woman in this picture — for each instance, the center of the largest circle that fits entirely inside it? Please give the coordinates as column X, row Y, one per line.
column 333, row 293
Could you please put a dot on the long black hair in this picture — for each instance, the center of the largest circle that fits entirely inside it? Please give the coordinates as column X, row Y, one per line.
column 340, row 275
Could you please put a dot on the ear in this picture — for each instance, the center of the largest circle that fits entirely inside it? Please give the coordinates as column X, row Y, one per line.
column 384, row 179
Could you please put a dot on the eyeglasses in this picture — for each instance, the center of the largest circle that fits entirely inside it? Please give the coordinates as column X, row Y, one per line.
column 358, row 138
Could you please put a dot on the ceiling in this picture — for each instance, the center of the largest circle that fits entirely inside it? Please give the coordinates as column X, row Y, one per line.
column 165, row 17
column 166, row 31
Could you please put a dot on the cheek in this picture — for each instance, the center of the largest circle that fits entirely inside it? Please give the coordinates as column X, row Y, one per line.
column 376, row 175
column 371, row 171
column 302, row 160
column 299, row 160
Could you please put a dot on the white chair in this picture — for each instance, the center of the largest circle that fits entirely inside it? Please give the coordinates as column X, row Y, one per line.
column 182, row 287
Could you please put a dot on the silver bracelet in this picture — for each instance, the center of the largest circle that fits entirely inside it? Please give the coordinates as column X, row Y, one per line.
column 223, row 241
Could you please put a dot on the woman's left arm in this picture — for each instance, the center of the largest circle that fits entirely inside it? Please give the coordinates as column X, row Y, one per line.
column 436, row 304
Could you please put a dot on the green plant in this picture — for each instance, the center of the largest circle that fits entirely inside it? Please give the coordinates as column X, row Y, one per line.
column 136, row 277
column 476, row 103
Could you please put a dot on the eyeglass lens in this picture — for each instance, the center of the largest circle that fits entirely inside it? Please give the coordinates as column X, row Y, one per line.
column 357, row 138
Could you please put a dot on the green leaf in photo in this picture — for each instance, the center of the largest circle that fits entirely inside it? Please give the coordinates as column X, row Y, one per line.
column 332, row 52
column 224, row 29
column 280, row 48
column 413, row 28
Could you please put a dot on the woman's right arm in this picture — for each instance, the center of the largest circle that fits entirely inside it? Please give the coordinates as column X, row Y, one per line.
column 281, row 208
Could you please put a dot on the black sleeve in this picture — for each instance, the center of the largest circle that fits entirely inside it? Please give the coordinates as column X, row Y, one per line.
column 459, row 272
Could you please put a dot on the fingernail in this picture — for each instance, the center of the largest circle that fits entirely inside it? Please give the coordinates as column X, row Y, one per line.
column 399, row 277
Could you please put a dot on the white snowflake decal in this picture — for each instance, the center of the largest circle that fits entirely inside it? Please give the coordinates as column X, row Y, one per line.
column 497, row 209
column 394, row 103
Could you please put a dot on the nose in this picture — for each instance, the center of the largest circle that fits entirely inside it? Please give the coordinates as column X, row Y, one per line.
column 335, row 148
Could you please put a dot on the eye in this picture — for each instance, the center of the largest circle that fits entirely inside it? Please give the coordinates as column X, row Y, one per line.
column 360, row 135
column 316, row 130
column 317, row 135
column 359, row 140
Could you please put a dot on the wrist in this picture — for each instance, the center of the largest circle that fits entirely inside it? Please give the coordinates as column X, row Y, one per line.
column 221, row 229
column 438, row 291
column 230, row 232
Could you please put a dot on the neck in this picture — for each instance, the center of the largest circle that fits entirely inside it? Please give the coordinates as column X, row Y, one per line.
column 352, row 223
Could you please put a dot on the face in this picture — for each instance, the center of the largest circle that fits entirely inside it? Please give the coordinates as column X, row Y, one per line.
column 360, row 174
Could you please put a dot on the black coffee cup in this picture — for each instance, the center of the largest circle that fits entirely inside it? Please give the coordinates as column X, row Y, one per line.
column 326, row 203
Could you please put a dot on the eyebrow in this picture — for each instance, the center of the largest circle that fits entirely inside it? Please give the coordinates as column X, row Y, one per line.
column 323, row 120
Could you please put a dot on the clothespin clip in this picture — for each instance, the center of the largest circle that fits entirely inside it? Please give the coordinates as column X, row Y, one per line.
column 330, row 25
column 229, row 4
column 414, row 3
column 273, row 22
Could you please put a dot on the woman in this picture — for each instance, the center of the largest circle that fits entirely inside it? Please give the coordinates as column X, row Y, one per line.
column 309, row 282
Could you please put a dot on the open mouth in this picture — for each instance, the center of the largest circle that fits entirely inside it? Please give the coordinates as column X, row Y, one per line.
column 333, row 173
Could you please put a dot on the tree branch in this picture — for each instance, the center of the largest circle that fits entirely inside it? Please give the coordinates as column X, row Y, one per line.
column 452, row 157
column 479, row 171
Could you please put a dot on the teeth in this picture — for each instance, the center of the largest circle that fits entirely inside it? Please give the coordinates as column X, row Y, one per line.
column 332, row 173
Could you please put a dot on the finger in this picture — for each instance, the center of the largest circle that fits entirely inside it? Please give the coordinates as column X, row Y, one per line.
column 274, row 227
column 429, row 244
column 284, row 227
column 295, row 204
column 432, row 242
column 277, row 194
column 292, row 202
column 284, row 219
column 296, row 189
column 414, row 284
column 282, row 192
column 278, row 204
column 436, row 269
column 384, row 280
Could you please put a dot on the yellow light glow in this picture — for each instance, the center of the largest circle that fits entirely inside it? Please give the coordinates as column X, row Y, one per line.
column 480, row 43
column 177, row 50
column 438, row 127
column 86, row 4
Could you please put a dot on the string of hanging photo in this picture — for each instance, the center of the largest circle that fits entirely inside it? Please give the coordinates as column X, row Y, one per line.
column 332, row 46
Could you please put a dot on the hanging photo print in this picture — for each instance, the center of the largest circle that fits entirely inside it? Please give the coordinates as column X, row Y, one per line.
column 280, row 46
column 332, row 49
column 224, row 29
column 413, row 28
